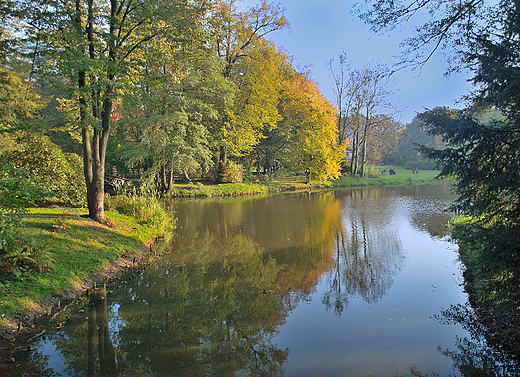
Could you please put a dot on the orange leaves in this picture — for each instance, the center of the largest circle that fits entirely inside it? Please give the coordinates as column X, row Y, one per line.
column 311, row 121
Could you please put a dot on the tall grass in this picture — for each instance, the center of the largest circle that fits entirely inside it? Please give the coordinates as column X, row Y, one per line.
column 146, row 206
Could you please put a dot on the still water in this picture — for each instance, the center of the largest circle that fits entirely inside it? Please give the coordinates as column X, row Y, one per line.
column 332, row 283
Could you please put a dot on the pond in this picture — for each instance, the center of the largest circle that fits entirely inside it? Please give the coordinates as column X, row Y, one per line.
column 328, row 283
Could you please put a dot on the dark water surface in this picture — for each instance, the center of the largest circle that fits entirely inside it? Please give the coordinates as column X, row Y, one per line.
column 333, row 283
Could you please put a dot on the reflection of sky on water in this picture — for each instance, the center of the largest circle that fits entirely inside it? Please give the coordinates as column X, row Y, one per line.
column 417, row 276
column 343, row 282
column 55, row 360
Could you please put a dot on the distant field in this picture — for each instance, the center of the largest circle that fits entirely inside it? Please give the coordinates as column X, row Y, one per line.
column 401, row 170
column 403, row 177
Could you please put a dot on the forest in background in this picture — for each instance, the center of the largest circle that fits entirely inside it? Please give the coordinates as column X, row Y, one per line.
column 164, row 91
column 157, row 92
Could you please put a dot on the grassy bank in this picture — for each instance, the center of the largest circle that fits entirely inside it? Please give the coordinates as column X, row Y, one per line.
column 402, row 178
column 489, row 253
column 75, row 253
column 200, row 190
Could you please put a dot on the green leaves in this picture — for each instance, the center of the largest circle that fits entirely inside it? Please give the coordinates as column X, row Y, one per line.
column 483, row 158
column 18, row 102
column 17, row 189
column 43, row 162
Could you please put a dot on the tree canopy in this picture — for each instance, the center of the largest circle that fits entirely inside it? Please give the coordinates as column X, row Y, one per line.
column 162, row 90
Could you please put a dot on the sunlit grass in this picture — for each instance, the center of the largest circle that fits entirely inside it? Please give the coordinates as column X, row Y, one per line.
column 235, row 189
column 76, row 248
column 403, row 177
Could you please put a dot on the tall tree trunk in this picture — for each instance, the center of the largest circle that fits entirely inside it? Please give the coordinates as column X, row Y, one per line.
column 364, row 149
column 354, row 158
column 163, row 178
column 95, row 178
column 170, row 178
column 222, row 162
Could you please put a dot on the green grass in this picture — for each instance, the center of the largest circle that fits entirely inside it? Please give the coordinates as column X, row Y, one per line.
column 75, row 249
column 235, row 189
column 403, row 177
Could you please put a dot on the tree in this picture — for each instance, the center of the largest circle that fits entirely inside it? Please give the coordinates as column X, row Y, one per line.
column 94, row 45
column 495, row 54
column 375, row 80
column 414, row 135
column 259, row 82
column 361, row 95
column 482, row 157
column 384, row 140
column 165, row 125
column 257, row 102
column 345, row 89
column 309, row 121
column 236, row 33
column 481, row 152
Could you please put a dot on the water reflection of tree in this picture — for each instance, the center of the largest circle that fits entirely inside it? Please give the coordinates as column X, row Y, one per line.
column 275, row 222
column 212, row 312
column 87, row 346
column 214, row 303
column 477, row 356
column 297, row 230
column 186, row 317
column 426, row 211
column 103, row 362
column 206, row 312
column 368, row 252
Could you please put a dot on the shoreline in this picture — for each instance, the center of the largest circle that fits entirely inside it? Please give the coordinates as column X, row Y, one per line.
column 112, row 258
column 60, row 221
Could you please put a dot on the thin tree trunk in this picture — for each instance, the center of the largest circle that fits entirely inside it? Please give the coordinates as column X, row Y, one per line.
column 364, row 150
column 164, row 178
column 171, row 178
column 354, row 159
column 222, row 162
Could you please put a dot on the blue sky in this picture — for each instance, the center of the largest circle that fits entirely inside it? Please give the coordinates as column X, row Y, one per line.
column 321, row 29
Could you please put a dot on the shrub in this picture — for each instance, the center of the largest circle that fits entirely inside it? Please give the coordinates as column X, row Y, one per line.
column 233, row 173
column 45, row 162
column 17, row 192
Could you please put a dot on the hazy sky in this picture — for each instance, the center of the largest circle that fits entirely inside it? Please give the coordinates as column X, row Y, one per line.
column 321, row 29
